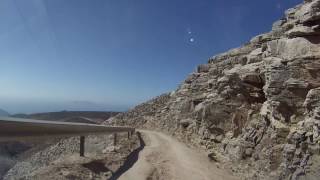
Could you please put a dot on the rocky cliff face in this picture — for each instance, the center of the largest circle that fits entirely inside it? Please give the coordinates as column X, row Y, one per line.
column 256, row 109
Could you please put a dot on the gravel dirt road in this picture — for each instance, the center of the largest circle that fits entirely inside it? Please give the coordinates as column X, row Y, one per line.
column 164, row 158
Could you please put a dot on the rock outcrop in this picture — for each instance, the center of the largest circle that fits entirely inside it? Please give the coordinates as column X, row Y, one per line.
column 255, row 109
column 9, row 152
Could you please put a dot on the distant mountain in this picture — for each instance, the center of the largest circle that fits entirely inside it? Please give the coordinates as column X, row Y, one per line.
column 71, row 116
column 4, row 113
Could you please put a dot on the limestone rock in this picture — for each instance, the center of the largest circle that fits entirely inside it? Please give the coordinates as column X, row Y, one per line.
column 203, row 68
column 258, row 106
column 313, row 99
column 300, row 31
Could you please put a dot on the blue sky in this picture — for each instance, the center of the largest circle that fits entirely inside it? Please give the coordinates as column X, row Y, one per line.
column 113, row 54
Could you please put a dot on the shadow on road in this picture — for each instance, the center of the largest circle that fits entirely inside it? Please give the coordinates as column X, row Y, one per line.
column 131, row 159
column 97, row 166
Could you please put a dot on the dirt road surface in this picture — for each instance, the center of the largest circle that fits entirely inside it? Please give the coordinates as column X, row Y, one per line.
column 164, row 158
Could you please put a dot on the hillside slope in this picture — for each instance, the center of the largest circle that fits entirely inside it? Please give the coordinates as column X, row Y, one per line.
column 4, row 113
column 70, row 116
column 255, row 109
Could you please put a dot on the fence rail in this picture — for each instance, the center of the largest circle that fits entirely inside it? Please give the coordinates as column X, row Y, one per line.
column 20, row 129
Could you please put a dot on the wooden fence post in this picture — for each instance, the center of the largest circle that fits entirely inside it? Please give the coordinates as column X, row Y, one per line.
column 115, row 139
column 82, row 141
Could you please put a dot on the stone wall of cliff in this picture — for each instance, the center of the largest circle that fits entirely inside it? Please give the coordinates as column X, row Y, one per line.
column 255, row 109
